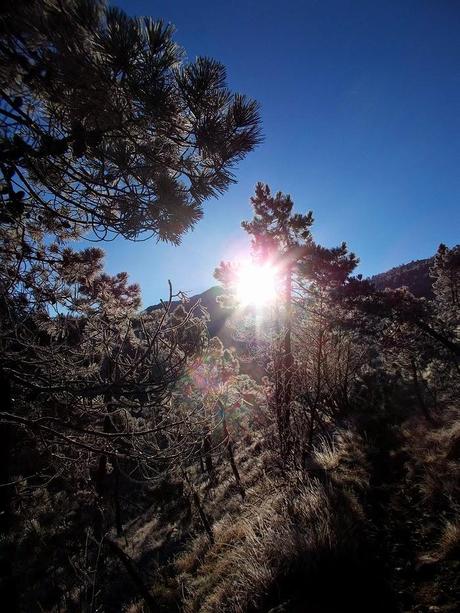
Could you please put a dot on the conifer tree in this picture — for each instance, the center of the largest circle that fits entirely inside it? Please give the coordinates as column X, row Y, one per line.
column 104, row 124
column 220, row 398
column 417, row 339
column 90, row 397
column 445, row 273
column 104, row 127
column 282, row 238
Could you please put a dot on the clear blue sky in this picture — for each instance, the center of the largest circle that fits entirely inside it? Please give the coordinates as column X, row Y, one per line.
column 361, row 115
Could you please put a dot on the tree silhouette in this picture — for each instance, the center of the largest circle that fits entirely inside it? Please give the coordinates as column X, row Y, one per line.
column 103, row 123
column 282, row 238
column 445, row 273
column 104, row 128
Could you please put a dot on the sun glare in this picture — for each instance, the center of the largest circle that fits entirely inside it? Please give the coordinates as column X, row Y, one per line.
column 256, row 285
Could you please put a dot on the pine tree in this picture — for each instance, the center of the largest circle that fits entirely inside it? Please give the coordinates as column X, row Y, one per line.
column 104, row 125
column 104, row 128
column 218, row 396
column 445, row 273
column 282, row 238
column 90, row 393
column 417, row 339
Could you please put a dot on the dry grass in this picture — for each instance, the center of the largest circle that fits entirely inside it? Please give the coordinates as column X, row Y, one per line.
column 449, row 543
column 189, row 561
column 434, row 453
column 135, row 607
column 433, row 472
column 280, row 528
column 345, row 460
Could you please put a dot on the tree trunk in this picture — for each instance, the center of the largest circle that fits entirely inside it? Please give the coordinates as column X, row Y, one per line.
column 201, row 512
column 312, row 428
column 453, row 347
column 231, row 454
column 314, row 407
column 6, row 433
column 419, row 394
column 288, row 359
column 278, row 379
column 207, row 447
column 113, row 495
column 116, row 499
column 133, row 573
column 101, row 472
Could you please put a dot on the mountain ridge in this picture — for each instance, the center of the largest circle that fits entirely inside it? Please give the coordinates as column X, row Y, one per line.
column 208, row 299
column 414, row 275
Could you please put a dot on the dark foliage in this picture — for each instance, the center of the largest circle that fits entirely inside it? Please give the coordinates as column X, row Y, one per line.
column 104, row 129
column 104, row 124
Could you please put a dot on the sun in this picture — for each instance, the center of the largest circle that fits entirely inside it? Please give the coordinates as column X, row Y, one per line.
column 256, row 285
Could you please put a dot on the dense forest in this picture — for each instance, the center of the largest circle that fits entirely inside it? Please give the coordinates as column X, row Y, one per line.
column 201, row 455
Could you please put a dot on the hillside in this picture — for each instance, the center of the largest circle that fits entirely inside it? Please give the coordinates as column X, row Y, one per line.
column 218, row 316
column 415, row 275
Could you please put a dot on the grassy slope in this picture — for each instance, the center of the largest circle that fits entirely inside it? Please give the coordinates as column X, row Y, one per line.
column 370, row 527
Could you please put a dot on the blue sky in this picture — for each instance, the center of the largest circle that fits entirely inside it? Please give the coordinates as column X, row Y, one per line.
column 361, row 116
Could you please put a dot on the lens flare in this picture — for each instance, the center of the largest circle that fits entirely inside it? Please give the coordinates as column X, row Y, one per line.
column 256, row 285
